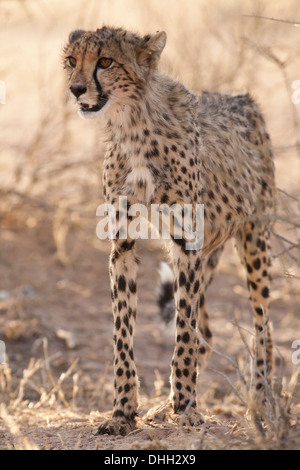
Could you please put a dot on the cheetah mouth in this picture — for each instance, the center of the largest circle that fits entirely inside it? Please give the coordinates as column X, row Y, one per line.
column 87, row 108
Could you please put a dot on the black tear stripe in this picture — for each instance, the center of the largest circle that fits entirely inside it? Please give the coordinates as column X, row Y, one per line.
column 98, row 86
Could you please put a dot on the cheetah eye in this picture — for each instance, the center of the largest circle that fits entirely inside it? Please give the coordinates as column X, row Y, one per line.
column 72, row 62
column 104, row 62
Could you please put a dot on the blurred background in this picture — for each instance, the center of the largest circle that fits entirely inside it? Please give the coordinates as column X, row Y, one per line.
column 54, row 288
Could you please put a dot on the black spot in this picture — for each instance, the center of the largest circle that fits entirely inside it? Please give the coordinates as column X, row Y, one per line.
column 188, row 311
column 225, row 198
column 132, row 286
column 208, row 333
column 182, row 303
column 118, row 414
column 265, row 292
column 249, row 269
column 187, row 361
column 118, row 323
column 197, row 264
column 120, row 372
column 180, row 242
column 182, row 279
column 164, row 199
column 186, row 337
column 122, row 283
column 178, row 385
column 196, row 286
column 257, row 263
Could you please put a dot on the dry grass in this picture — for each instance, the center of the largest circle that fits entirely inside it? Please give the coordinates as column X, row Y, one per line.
column 50, row 162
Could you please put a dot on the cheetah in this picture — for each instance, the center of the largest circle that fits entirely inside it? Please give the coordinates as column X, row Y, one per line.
column 168, row 145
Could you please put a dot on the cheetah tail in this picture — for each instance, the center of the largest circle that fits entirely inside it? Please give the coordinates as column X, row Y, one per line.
column 165, row 299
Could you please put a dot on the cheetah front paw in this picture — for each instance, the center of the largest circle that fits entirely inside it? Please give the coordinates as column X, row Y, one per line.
column 116, row 426
column 166, row 413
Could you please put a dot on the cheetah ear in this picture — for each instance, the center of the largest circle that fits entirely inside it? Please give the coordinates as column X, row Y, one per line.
column 149, row 52
column 75, row 35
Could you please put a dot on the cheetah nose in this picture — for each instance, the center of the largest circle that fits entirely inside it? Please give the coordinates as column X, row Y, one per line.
column 77, row 90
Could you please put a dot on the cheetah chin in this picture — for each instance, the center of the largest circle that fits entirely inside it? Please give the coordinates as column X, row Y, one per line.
column 87, row 111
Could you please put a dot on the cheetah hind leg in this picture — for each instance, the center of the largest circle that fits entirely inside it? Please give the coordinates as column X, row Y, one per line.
column 253, row 247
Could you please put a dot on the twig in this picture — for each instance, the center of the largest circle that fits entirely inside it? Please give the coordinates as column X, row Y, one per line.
column 287, row 194
column 230, row 383
column 294, row 23
column 233, row 362
column 286, row 250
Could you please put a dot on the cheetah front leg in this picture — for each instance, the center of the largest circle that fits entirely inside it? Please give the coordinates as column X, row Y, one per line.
column 181, row 405
column 185, row 357
column 123, row 268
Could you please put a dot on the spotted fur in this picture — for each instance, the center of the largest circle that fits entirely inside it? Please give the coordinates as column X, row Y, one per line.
column 167, row 145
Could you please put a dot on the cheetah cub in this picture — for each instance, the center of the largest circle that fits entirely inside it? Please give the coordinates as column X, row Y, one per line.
column 168, row 146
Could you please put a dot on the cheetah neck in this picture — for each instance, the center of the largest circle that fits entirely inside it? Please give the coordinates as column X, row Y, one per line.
column 162, row 106
column 146, row 128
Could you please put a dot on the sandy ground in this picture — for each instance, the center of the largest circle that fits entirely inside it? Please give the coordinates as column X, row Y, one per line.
column 57, row 412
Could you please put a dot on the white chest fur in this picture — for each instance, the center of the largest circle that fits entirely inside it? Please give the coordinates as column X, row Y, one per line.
column 140, row 182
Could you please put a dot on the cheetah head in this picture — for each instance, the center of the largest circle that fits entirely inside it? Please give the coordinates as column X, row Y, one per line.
column 109, row 67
